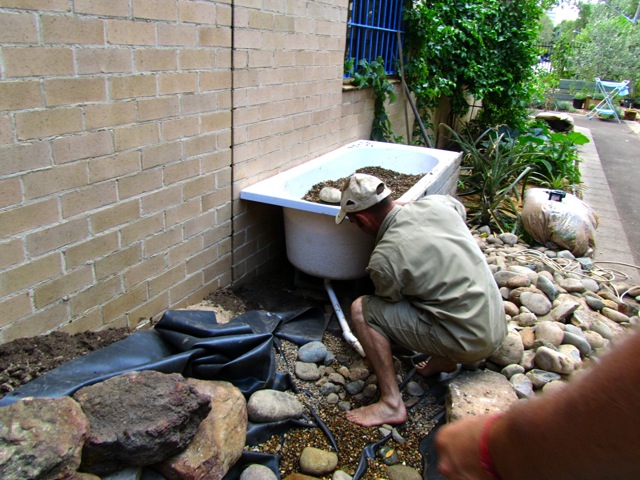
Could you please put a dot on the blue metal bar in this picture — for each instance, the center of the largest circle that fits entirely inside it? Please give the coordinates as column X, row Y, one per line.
column 373, row 31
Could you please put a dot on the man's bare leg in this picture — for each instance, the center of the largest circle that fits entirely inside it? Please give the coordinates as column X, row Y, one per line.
column 390, row 407
column 435, row 365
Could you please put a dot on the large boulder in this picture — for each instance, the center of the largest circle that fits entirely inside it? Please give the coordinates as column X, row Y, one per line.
column 138, row 419
column 220, row 439
column 41, row 438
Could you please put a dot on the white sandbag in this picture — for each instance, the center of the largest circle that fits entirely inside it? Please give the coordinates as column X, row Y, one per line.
column 569, row 223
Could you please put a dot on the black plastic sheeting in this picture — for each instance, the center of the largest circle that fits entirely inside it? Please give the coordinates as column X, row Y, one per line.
column 242, row 352
column 192, row 343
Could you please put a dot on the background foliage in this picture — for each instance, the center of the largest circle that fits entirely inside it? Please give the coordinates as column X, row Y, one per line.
column 481, row 48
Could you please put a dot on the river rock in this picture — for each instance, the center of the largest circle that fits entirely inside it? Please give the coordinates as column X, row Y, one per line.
column 553, row 361
column 330, row 195
column 315, row 461
column 563, row 311
column 508, row 238
column 219, row 440
column 312, row 352
column 572, row 285
column 521, row 270
column 518, row 281
column 359, row 373
column 594, row 302
column 615, row 315
column 354, row 387
column 308, row 372
column 265, row 406
column 590, row 284
column 503, row 276
column 341, row 475
column 580, row 342
column 510, row 308
column 402, row 472
column 522, row 385
column 537, row 303
column 549, row 332
column 258, row 472
column 41, row 438
column 539, row 378
column 526, row 319
column 595, row 340
column 510, row 370
column 510, row 351
column 573, row 353
column 547, row 287
column 139, row 418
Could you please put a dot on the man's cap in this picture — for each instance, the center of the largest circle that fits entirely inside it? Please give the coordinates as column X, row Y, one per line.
column 359, row 192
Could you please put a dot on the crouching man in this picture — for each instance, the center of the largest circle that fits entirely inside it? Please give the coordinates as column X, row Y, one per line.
column 434, row 292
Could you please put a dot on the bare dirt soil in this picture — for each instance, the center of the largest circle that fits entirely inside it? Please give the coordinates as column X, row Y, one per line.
column 25, row 359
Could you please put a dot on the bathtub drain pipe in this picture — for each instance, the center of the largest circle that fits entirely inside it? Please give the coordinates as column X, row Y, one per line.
column 346, row 331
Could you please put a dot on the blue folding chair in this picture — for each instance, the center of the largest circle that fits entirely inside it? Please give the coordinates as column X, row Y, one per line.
column 610, row 90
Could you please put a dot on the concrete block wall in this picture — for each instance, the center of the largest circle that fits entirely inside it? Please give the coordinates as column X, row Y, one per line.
column 115, row 160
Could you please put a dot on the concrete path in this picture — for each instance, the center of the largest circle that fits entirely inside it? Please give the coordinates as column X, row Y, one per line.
column 611, row 176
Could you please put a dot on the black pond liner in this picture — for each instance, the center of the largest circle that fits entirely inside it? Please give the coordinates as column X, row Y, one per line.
column 192, row 343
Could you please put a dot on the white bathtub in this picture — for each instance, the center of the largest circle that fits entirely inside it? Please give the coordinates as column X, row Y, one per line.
column 315, row 244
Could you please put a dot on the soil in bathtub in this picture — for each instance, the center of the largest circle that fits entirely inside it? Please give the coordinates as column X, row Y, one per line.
column 399, row 183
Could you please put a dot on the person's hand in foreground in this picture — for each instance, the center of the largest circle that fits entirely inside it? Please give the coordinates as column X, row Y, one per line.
column 588, row 430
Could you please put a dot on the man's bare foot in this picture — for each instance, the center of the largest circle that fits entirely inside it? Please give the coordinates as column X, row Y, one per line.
column 377, row 414
column 435, row 365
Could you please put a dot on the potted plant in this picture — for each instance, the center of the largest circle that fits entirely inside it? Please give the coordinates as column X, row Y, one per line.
column 630, row 114
column 579, row 100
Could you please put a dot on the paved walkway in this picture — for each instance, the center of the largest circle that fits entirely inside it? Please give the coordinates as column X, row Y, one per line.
column 610, row 171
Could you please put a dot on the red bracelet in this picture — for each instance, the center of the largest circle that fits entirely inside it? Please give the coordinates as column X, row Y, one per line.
column 485, row 456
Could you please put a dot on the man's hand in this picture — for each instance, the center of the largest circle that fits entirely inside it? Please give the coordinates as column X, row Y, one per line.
column 458, row 445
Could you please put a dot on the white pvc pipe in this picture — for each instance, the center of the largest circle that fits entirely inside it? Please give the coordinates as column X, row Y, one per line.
column 346, row 331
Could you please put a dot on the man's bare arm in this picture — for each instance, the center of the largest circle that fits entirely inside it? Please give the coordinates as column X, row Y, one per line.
column 588, row 430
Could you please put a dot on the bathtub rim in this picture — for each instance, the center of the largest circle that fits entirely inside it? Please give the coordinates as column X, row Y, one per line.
column 258, row 192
